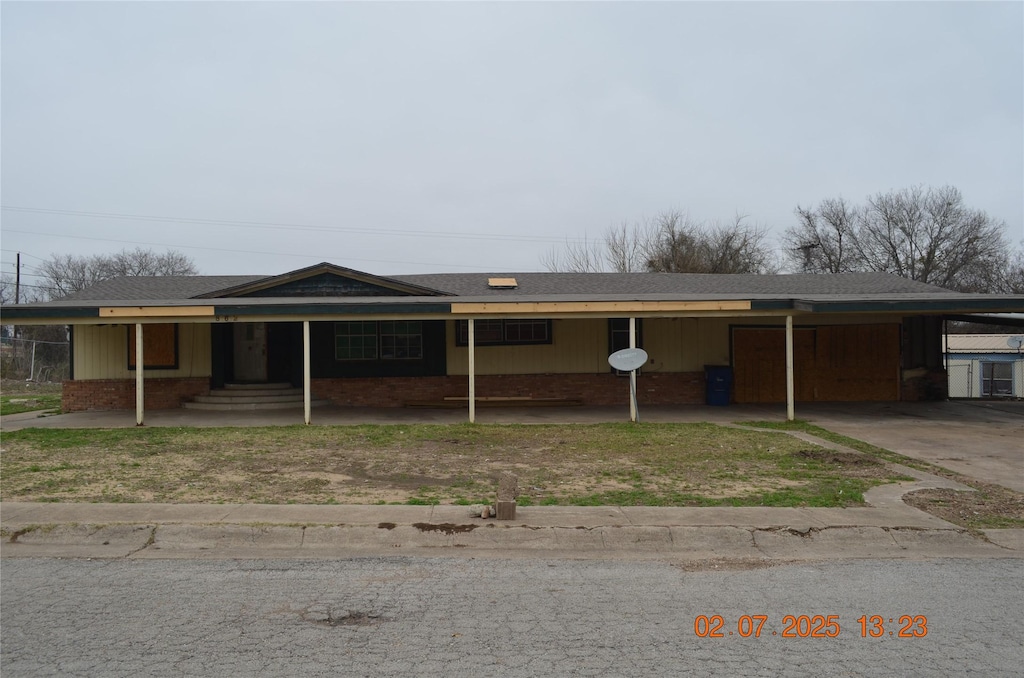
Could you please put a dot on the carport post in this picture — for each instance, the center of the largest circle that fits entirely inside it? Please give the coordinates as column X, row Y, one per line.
column 472, row 371
column 790, row 414
column 140, row 395
column 632, row 373
column 306, row 397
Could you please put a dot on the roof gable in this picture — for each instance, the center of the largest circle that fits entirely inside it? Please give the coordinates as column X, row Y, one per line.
column 324, row 280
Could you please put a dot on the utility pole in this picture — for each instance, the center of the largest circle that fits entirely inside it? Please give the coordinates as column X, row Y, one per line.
column 17, row 280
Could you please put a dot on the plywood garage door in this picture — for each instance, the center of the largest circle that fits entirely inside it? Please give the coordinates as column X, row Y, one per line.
column 833, row 363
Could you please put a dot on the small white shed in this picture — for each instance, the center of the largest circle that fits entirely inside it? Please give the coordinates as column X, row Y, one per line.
column 985, row 365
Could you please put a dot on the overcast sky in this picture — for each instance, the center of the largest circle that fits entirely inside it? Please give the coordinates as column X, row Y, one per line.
column 431, row 137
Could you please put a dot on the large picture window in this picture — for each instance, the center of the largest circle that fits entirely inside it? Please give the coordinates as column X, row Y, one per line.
column 504, row 332
column 997, row 379
column 159, row 347
column 383, row 340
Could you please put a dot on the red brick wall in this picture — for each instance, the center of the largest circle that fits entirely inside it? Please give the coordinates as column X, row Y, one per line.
column 119, row 394
column 684, row 388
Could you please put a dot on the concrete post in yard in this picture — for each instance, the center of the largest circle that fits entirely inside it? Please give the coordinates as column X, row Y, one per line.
column 508, row 491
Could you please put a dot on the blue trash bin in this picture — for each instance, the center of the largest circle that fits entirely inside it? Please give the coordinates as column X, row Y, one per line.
column 718, row 380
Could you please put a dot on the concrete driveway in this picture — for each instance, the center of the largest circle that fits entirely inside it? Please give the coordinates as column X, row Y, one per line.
column 980, row 439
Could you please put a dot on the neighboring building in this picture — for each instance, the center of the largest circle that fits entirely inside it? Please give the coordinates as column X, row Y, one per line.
column 357, row 339
column 985, row 365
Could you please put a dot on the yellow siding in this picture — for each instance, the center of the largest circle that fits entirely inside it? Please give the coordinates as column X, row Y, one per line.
column 581, row 346
column 101, row 352
column 578, row 346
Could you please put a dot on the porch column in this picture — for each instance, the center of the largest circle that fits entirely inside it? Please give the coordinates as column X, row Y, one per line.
column 790, row 415
column 140, row 395
column 306, row 382
column 472, row 371
column 632, row 373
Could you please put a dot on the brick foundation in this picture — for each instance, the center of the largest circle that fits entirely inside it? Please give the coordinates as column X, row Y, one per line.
column 119, row 394
column 682, row 388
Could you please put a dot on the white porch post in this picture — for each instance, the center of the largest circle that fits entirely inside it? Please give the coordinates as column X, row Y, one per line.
column 306, row 382
column 790, row 414
column 632, row 373
column 472, row 371
column 140, row 395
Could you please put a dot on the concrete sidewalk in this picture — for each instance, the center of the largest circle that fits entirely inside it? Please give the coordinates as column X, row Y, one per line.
column 886, row 528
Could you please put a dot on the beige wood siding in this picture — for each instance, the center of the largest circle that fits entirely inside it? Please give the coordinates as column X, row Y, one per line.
column 101, row 352
column 578, row 346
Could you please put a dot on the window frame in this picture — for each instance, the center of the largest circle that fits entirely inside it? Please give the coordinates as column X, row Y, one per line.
column 989, row 378
column 414, row 343
column 614, row 331
column 481, row 337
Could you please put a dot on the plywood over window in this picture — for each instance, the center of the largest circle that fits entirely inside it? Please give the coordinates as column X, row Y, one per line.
column 159, row 346
column 832, row 363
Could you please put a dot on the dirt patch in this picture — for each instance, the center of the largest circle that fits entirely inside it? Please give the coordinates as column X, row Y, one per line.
column 655, row 465
column 990, row 507
column 836, row 457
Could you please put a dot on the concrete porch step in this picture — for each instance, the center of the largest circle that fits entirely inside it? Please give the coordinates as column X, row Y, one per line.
column 248, row 397
column 277, row 385
column 242, row 407
column 242, row 399
column 255, row 392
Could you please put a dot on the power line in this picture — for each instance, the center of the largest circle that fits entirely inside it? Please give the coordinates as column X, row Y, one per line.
column 315, row 257
column 294, row 227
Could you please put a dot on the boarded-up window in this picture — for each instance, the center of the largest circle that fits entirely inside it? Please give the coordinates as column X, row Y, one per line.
column 159, row 347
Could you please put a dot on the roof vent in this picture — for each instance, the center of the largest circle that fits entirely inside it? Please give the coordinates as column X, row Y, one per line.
column 502, row 283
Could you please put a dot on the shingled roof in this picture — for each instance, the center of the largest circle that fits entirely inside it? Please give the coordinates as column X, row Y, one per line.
column 241, row 294
column 167, row 288
column 605, row 284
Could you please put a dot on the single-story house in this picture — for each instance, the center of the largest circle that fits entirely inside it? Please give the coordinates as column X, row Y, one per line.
column 357, row 339
column 985, row 365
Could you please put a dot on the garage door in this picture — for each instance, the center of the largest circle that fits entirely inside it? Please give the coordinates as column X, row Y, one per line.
column 831, row 363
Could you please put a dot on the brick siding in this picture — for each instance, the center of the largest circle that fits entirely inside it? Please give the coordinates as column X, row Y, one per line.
column 683, row 388
column 119, row 394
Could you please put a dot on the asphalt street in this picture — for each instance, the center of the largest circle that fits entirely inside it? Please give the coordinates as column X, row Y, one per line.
column 461, row 617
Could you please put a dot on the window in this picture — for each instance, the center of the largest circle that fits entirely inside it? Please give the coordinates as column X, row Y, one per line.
column 618, row 336
column 504, row 332
column 159, row 347
column 384, row 340
column 997, row 379
column 401, row 340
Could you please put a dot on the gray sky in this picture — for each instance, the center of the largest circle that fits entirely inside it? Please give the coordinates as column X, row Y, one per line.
column 408, row 138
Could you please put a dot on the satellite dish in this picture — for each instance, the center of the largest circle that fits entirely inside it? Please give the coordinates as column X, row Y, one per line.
column 628, row 359
column 1015, row 342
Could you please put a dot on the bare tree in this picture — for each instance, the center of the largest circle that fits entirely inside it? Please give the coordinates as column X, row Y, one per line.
column 586, row 256
column 66, row 274
column 930, row 235
column 824, row 239
column 1013, row 275
column 684, row 246
column 671, row 243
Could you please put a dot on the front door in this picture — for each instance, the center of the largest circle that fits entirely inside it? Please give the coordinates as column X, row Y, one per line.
column 250, row 352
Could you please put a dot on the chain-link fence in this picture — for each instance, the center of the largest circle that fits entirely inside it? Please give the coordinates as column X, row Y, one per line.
column 34, row 359
column 997, row 376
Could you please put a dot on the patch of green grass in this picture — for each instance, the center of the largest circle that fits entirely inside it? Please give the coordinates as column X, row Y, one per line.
column 425, row 464
column 15, row 404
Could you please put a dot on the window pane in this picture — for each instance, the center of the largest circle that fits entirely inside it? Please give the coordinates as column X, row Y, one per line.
column 355, row 340
column 401, row 340
column 526, row 330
